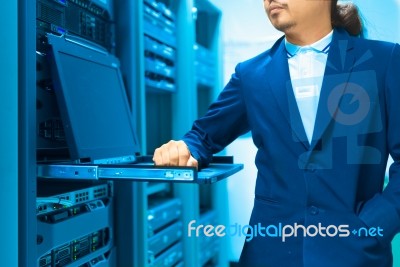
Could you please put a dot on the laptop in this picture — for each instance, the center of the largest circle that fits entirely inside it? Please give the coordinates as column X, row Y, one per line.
column 98, row 123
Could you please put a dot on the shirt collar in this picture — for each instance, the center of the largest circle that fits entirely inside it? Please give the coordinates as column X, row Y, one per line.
column 321, row 46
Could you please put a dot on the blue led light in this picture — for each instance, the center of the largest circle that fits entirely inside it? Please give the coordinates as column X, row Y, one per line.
column 60, row 30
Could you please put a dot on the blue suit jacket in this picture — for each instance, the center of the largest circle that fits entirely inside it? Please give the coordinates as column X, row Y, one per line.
column 338, row 178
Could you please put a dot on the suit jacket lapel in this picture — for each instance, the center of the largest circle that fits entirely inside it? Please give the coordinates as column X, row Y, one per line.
column 338, row 68
column 278, row 77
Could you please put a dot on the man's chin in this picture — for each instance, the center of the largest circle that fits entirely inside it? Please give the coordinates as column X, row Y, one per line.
column 283, row 27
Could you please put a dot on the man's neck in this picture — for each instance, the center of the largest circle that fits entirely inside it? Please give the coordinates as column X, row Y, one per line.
column 303, row 38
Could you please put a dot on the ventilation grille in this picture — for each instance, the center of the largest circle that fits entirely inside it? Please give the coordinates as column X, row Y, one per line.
column 51, row 15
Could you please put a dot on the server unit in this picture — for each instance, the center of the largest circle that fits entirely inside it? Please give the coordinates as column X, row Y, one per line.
column 87, row 19
column 171, row 257
column 74, row 235
column 51, row 196
column 159, row 47
column 162, row 212
column 163, row 240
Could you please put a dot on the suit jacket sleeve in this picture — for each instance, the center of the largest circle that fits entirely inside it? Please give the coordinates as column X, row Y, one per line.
column 225, row 120
column 384, row 209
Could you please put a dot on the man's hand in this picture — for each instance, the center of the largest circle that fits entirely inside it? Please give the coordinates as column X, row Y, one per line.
column 174, row 153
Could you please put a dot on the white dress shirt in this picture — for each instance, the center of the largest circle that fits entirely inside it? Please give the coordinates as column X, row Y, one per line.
column 307, row 66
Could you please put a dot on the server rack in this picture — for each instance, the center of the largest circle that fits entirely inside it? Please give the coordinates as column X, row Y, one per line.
column 159, row 74
column 75, row 226
column 165, row 105
column 153, row 98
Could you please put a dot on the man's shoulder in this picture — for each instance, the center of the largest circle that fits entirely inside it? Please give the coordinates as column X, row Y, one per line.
column 362, row 46
column 371, row 43
column 379, row 51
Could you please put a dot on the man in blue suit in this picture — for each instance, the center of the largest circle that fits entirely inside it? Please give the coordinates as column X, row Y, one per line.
column 323, row 107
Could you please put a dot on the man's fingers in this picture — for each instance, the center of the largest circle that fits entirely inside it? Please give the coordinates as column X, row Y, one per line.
column 192, row 162
column 157, row 158
column 173, row 153
column 165, row 155
column 183, row 153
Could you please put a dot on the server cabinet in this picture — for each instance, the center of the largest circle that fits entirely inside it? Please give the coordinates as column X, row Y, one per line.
column 172, row 36
column 165, row 63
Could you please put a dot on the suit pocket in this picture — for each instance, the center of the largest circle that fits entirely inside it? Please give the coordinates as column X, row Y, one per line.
column 266, row 200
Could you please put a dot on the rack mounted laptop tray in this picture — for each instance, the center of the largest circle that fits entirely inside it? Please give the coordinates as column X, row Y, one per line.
column 98, row 123
column 139, row 172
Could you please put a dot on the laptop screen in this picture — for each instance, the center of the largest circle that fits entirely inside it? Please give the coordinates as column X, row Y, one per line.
column 92, row 101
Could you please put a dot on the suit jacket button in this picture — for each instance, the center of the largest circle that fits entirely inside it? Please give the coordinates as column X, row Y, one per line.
column 314, row 210
column 311, row 167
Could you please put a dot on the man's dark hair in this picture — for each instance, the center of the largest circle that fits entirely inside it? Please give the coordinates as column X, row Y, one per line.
column 347, row 17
